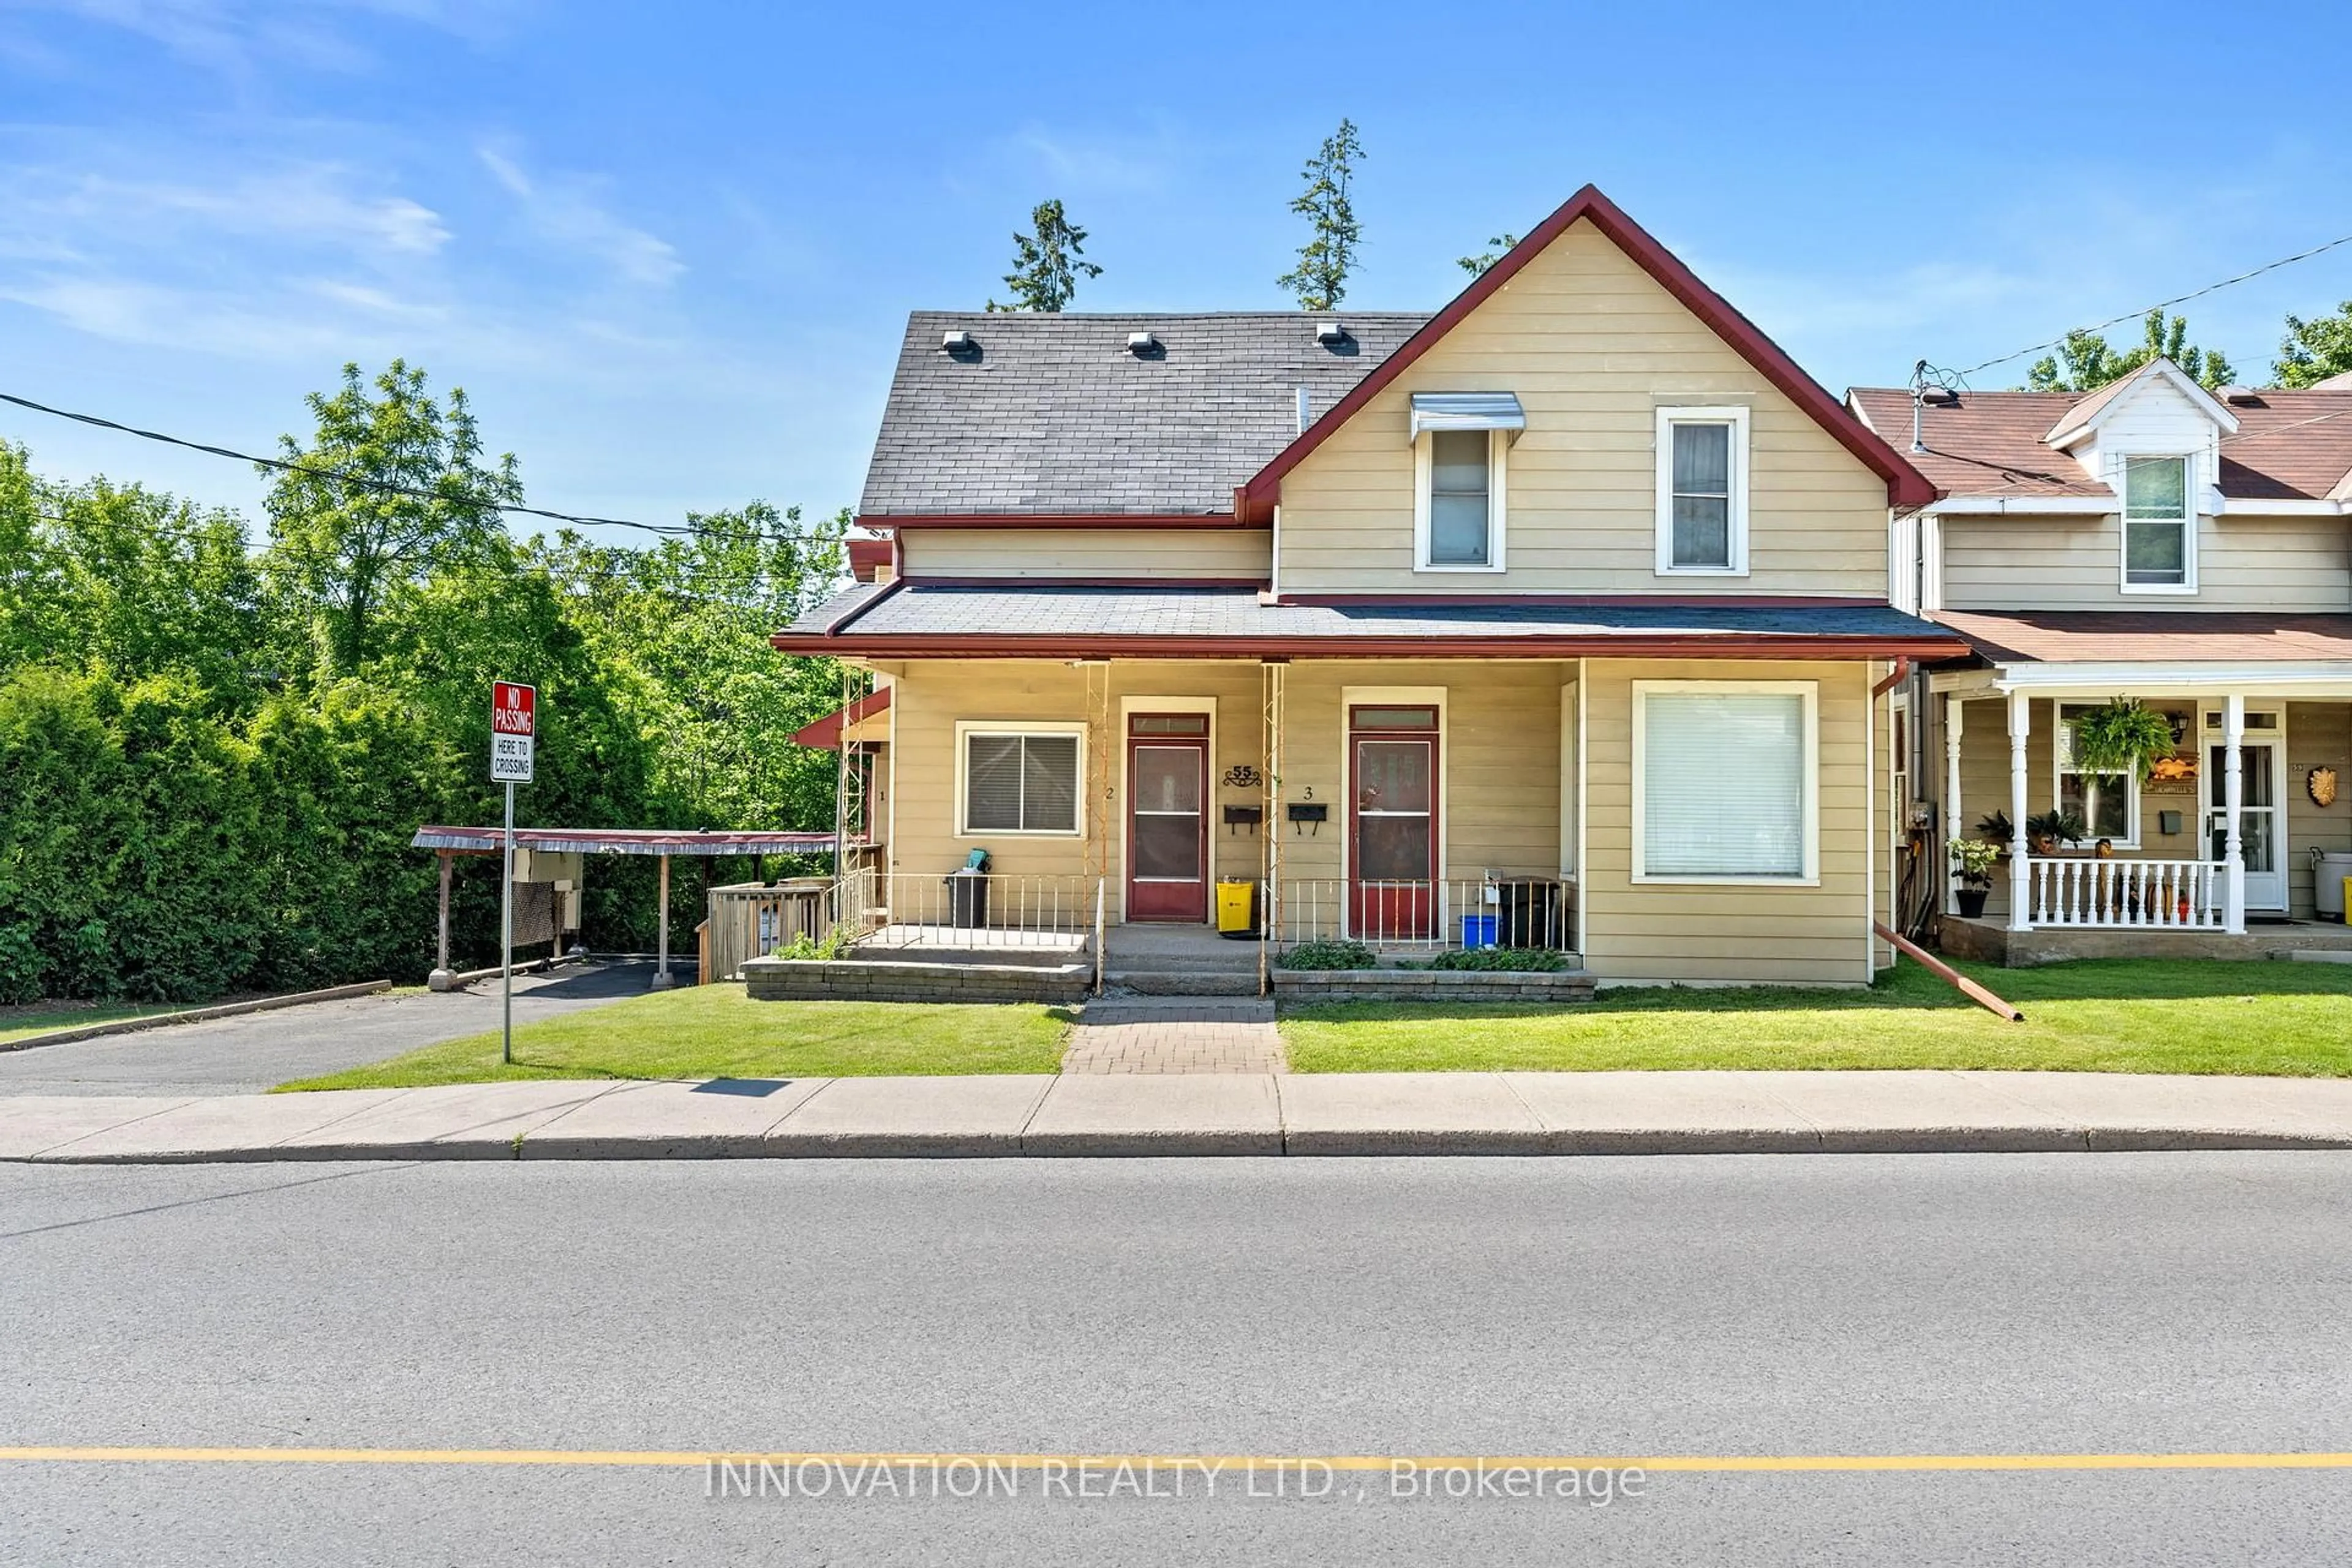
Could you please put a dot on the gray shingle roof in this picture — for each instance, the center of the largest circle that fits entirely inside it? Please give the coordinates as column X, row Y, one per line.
column 1044, row 611
column 1052, row 415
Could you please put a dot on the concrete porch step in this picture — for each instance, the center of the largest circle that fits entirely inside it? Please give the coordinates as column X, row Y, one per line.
column 1183, row 982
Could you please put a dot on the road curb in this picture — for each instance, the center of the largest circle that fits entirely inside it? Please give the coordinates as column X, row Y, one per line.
column 195, row 1016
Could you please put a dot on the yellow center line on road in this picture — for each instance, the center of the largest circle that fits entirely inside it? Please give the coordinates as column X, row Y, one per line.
column 657, row 1459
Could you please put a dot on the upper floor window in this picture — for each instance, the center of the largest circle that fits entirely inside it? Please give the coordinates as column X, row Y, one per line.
column 2159, row 527
column 1702, row 490
column 1458, row 522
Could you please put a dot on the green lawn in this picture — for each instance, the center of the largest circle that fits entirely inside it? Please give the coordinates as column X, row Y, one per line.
column 715, row 1031
column 2101, row 1016
column 15, row 1022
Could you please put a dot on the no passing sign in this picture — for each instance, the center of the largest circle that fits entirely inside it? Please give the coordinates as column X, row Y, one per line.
column 514, row 713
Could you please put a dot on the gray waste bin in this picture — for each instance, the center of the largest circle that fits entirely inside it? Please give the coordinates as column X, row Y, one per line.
column 968, row 899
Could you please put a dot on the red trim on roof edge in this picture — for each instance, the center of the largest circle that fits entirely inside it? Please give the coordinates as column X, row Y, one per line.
column 825, row 734
column 1727, row 644
column 1057, row 519
column 1577, row 601
column 867, row 557
column 1236, row 584
column 1905, row 486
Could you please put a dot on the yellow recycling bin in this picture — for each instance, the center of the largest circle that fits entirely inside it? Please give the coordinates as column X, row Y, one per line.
column 1237, row 908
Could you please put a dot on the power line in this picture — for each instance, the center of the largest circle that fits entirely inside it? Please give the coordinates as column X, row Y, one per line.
column 383, row 487
column 2164, row 304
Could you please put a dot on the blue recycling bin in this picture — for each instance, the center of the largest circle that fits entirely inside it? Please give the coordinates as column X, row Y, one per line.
column 1480, row 931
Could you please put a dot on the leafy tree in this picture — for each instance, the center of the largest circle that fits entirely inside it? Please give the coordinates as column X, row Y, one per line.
column 1476, row 265
column 1045, row 263
column 2086, row 361
column 2314, row 350
column 1328, row 256
column 395, row 490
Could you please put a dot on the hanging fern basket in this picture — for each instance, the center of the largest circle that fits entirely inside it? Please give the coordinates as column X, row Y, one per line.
column 2121, row 736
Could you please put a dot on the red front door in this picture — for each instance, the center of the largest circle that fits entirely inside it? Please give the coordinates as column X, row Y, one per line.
column 1168, row 817
column 1391, row 824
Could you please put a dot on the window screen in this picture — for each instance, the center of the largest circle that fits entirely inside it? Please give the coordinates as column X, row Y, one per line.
column 1458, row 509
column 1723, row 782
column 1021, row 784
column 1702, row 498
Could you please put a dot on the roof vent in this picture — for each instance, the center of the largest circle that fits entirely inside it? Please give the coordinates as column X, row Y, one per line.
column 2244, row 396
column 958, row 343
column 1144, row 345
column 1330, row 335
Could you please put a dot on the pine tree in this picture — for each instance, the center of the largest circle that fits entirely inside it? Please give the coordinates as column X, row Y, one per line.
column 1327, row 258
column 1046, row 264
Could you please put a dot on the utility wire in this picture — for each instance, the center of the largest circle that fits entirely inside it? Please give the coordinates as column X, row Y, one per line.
column 383, row 487
column 2165, row 305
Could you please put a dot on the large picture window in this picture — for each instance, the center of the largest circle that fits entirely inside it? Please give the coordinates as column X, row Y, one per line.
column 1724, row 781
column 2159, row 527
column 1019, row 782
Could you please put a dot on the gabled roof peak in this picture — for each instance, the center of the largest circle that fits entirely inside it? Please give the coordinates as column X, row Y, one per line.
column 2079, row 422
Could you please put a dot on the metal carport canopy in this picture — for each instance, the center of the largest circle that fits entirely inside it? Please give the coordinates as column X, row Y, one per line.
column 618, row 841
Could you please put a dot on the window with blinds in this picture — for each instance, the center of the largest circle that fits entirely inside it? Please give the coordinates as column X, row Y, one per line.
column 1020, row 783
column 1726, row 783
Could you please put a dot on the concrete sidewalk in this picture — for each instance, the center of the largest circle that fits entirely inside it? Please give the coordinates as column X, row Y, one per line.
column 1218, row 1113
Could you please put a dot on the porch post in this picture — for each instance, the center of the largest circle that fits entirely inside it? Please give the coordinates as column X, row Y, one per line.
column 2233, row 859
column 661, row 980
column 1954, row 707
column 2020, row 723
column 439, row 979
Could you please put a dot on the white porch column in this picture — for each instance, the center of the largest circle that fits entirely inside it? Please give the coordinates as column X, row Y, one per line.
column 2233, row 862
column 1954, row 707
column 2020, row 723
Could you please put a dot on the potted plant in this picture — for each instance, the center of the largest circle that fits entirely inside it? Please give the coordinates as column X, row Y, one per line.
column 1972, row 859
column 2045, row 832
column 2122, row 735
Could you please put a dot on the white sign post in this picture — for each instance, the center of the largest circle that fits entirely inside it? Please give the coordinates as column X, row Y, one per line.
column 514, row 730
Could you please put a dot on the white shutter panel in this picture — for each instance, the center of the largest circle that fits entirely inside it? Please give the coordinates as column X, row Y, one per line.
column 1723, row 784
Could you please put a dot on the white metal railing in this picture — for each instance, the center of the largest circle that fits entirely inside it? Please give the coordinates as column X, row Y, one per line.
column 2124, row 895
column 911, row 909
column 752, row 920
column 1453, row 912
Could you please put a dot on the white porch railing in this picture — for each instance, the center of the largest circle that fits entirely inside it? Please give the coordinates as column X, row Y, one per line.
column 1519, row 912
column 2125, row 895
column 914, row 908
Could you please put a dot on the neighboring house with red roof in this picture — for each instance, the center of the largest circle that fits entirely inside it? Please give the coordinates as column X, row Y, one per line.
column 1560, row 617
column 2151, row 539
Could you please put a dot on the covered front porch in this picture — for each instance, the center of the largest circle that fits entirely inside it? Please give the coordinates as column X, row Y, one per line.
column 2238, row 824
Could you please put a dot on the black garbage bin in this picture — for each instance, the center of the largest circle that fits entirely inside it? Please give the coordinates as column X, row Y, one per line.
column 968, row 899
column 1531, row 915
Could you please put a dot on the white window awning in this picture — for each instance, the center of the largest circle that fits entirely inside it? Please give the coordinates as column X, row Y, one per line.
column 1467, row 411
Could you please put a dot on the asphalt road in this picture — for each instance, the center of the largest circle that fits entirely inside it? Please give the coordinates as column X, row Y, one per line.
column 1767, row 1305
column 257, row 1051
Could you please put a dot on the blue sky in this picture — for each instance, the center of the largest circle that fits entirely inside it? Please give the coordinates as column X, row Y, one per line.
column 668, row 248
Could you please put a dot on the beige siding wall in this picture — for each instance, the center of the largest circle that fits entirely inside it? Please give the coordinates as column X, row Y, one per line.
column 1592, row 345
column 2274, row 563
column 1242, row 552
column 1818, row 934
column 2318, row 734
column 931, row 698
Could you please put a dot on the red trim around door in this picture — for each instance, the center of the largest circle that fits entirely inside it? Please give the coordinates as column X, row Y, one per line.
column 1392, row 908
column 1168, row 898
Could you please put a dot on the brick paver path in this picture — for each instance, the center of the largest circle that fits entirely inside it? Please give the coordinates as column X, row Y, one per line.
column 1175, row 1034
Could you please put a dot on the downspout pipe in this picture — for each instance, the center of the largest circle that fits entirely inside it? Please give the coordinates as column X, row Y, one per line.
column 1895, row 677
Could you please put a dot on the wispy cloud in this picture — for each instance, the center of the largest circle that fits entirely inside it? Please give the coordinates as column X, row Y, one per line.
column 313, row 204
column 565, row 210
column 238, row 37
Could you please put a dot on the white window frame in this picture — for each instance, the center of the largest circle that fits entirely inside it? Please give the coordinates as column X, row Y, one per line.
column 966, row 729
column 1811, row 876
column 1499, row 446
column 2190, row 470
column 2062, row 737
column 1734, row 415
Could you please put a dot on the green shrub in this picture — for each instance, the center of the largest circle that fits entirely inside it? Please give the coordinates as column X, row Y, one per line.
column 1515, row 960
column 1330, row 955
column 834, row 944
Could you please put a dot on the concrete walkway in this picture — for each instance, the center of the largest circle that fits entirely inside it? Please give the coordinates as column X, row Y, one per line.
column 260, row 1050
column 1200, row 1113
column 1176, row 1033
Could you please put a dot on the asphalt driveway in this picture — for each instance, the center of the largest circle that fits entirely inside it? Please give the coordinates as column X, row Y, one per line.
column 260, row 1050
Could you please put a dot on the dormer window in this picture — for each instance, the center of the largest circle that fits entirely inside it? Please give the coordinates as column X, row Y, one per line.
column 1459, row 442
column 1703, row 492
column 2159, row 542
